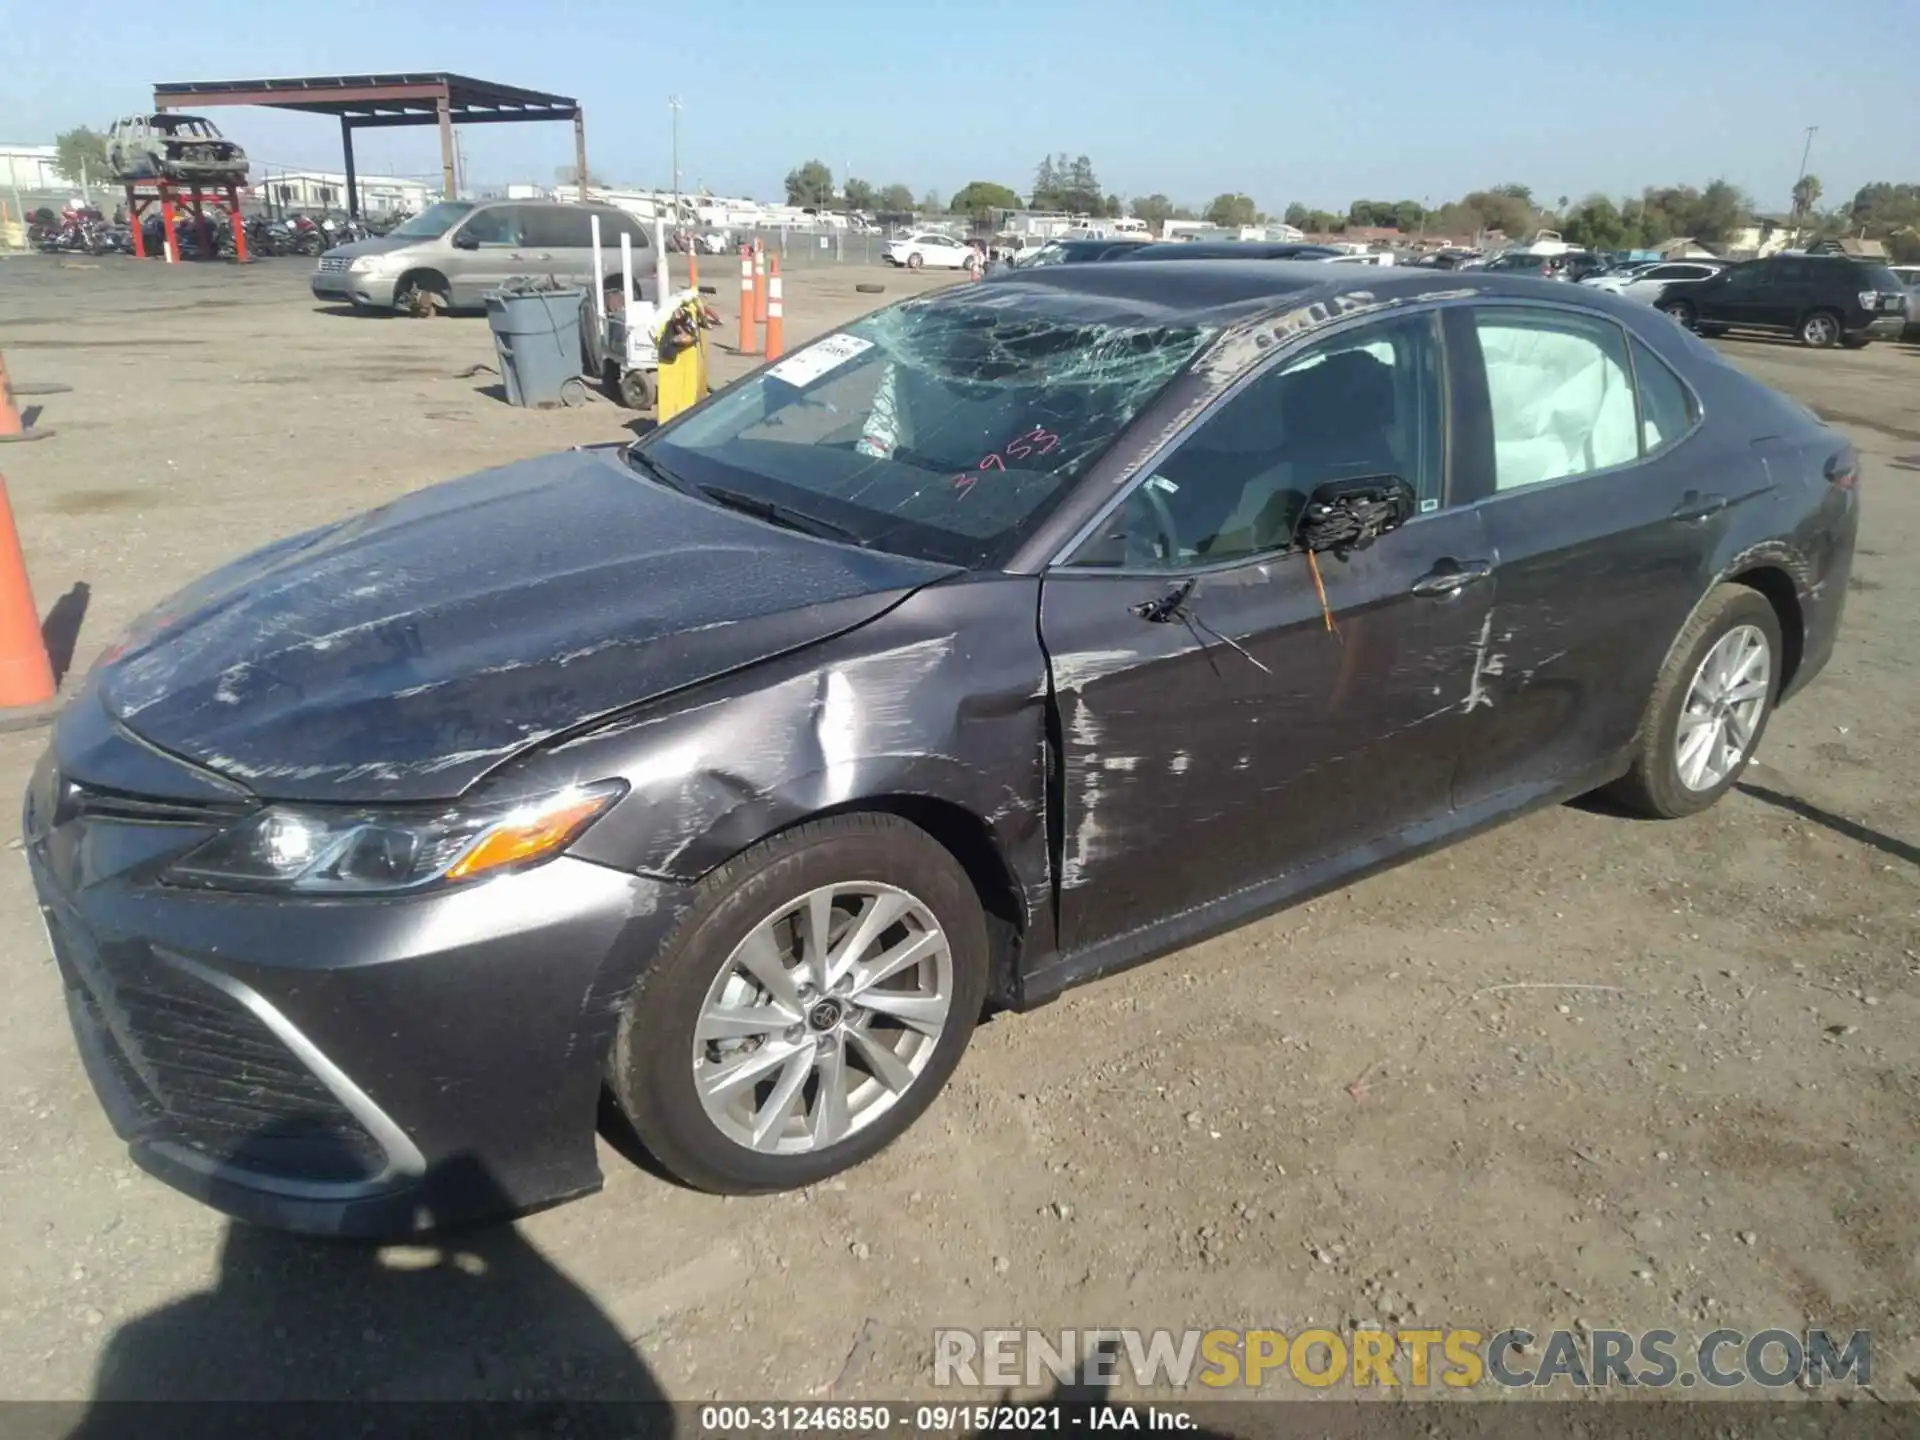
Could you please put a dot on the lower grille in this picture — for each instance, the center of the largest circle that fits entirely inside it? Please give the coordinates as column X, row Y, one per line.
column 212, row 1075
column 333, row 264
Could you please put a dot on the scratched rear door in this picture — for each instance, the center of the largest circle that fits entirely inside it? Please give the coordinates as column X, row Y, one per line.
column 1242, row 739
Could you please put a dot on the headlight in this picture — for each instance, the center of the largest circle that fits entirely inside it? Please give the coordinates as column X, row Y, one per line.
column 315, row 850
column 362, row 264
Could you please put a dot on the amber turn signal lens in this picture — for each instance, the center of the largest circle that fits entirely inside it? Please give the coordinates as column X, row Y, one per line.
column 530, row 836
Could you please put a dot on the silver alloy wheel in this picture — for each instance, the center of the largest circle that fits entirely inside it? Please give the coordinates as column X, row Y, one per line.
column 1820, row 330
column 822, row 1018
column 1723, row 707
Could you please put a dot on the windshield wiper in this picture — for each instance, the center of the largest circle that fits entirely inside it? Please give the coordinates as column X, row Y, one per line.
column 775, row 513
column 639, row 460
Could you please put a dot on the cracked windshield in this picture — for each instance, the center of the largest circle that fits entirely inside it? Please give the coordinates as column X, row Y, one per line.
column 942, row 430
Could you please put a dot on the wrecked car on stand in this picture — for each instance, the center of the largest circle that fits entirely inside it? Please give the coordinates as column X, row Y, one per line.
column 1000, row 640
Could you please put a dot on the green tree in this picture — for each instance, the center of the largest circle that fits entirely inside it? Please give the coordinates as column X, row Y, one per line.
column 1408, row 216
column 810, row 184
column 1060, row 183
column 896, row 199
column 1297, row 215
column 858, row 194
column 1156, row 209
column 81, row 154
column 931, row 204
column 1596, row 224
column 1232, row 210
column 980, row 198
column 1806, row 194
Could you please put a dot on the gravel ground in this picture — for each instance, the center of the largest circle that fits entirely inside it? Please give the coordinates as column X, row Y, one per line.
column 1581, row 1070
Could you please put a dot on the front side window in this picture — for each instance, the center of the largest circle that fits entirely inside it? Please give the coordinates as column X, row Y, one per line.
column 944, row 429
column 1364, row 403
column 434, row 221
column 498, row 226
column 1561, row 394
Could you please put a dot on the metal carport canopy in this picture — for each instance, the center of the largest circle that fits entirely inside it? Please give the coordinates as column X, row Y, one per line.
column 369, row 101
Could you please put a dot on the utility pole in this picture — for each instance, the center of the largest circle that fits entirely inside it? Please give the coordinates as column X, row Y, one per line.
column 673, row 104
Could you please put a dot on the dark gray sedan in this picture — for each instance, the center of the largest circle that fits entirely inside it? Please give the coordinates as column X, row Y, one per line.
column 1005, row 638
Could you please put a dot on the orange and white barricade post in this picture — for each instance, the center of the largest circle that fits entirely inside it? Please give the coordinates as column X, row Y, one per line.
column 776, row 319
column 749, row 335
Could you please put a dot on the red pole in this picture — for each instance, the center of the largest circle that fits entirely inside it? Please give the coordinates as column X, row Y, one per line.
column 134, row 218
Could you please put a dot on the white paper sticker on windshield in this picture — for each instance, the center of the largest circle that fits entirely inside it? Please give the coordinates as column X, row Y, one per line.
column 808, row 365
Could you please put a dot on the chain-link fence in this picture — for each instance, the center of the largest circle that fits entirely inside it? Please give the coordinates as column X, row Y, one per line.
column 799, row 248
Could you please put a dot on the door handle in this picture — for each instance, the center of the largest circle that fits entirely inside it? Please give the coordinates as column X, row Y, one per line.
column 1450, row 577
column 1695, row 506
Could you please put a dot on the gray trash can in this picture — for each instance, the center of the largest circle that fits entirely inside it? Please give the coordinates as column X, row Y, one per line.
column 536, row 333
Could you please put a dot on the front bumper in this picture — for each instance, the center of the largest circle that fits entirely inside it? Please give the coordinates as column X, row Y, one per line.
column 356, row 289
column 1883, row 327
column 365, row 1067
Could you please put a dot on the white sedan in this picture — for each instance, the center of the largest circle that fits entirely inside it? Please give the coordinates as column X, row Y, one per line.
column 1647, row 283
column 941, row 251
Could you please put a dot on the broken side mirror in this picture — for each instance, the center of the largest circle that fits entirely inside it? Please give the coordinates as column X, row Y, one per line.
column 1347, row 515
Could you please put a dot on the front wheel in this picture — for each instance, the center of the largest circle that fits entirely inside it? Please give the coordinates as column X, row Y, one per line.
column 1709, row 707
column 808, row 1009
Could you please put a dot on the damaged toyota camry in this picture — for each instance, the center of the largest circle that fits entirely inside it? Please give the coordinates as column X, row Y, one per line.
column 1000, row 640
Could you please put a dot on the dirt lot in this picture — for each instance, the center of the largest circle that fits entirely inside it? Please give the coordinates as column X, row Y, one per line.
column 1580, row 1070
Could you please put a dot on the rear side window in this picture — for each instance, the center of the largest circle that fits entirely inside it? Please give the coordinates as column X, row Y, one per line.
column 1561, row 394
column 560, row 227
column 1666, row 406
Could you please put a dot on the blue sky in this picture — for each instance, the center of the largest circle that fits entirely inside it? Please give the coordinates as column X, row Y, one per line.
column 1322, row 103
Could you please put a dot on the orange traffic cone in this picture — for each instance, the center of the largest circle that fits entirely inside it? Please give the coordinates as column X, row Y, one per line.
column 759, row 283
column 11, row 426
column 749, row 333
column 776, row 312
column 26, row 674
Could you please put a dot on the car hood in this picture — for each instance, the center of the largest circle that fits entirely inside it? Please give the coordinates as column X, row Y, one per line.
column 402, row 654
column 373, row 245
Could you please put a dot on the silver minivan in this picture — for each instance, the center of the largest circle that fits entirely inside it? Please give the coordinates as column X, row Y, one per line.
column 453, row 253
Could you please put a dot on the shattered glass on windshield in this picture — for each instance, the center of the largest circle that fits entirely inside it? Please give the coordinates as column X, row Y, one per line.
column 943, row 429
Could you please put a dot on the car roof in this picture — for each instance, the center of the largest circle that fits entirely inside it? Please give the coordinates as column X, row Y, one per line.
column 1233, row 250
column 1226, row 292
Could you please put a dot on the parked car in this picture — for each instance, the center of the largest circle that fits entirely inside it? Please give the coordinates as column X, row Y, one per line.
column 1523, row 262
column 168, row 146
column 1909, row 275
column 1077, row 252
column 453, row 253
column 1232, row 250
column 929, row 247
column 966, row 654
column 1822, row 299
column 1649, row 281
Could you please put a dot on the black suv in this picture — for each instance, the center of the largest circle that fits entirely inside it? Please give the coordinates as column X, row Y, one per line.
column 1823, row 299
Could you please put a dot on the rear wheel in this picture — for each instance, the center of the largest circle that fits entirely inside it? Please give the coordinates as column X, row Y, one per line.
column 1709, row 332
column 1678, row 311
column 1709, row 707
column 1820, row 329
column 1855, row 342
column 914, row 262
column 809, row 1008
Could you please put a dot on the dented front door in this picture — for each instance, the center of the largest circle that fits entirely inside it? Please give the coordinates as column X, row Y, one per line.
column 1240, row 739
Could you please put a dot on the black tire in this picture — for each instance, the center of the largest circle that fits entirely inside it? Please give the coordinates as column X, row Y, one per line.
column 652, row 1065
column 1709, row 332
column 914, row 262
column 1855, row 342
column 1679, row 311
column 1653, row 786
column 631, row 388
column 1820, row 330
